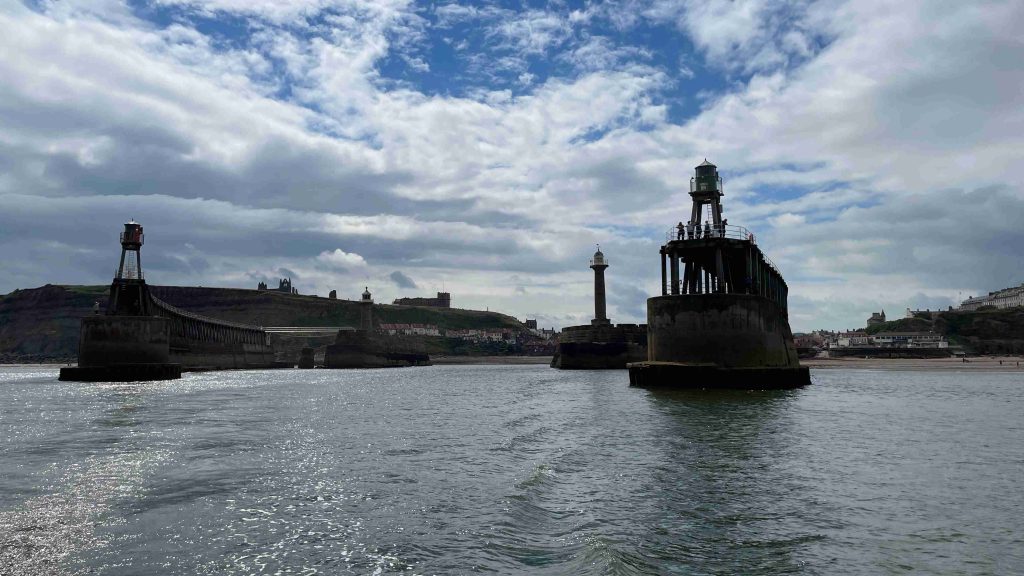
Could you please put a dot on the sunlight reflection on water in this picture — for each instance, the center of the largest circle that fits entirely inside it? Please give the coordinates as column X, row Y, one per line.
column 510, row 469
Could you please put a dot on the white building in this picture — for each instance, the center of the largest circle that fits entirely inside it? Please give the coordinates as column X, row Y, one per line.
column 410, row 329
column 861, row 339
column 490, row 334
column 909, row 340
column 848, row 341
column 1006, row 298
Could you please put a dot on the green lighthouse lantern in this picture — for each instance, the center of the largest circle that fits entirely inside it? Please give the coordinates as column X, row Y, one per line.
column 707, row 179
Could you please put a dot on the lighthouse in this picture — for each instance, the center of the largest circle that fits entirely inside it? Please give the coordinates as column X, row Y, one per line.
column 366, row 311
column 724, row 323
column 598, row 264
column 130, row 342
column 129, row 294
column 131, row 241
column 600, row 345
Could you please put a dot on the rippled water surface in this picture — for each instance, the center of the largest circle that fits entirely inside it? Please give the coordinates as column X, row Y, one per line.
column 510, row 469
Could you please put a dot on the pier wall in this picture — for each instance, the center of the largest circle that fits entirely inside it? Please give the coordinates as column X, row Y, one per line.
column 633, row 333
column 361, row 349
column 196, row 355
column 597, row 347
column 725, row 330
column 200, row 343
column 113, row 340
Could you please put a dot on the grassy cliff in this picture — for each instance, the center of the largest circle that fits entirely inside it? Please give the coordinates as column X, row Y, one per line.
column 986, row 331
column 41, row 324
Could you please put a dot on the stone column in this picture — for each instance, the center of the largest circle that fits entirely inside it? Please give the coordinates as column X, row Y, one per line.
column 664, row 289
column 675, row 273
column 600, row 306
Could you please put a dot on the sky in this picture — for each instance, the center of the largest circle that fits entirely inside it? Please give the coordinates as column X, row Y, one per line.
column 486, row 148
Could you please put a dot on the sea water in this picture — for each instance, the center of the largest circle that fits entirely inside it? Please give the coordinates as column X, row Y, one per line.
column 510, row 470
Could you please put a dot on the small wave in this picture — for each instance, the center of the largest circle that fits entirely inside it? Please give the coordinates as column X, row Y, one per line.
column 541, row 473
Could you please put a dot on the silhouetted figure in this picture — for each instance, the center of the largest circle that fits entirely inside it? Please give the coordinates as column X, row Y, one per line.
column 707, row 229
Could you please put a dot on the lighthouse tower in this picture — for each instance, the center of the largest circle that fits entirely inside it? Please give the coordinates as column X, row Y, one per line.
column 724, row 323
column 128, row 293
column 366, row 311
column 706, row 188
column 131, row 241
column 130, row 342
column 598, row 264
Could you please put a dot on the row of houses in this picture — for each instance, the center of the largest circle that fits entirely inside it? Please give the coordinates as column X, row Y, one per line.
column 488, row 335
column 473, row 335
column 1005, row 298
column 542, row 333
column 410, row 329
column 861, row 339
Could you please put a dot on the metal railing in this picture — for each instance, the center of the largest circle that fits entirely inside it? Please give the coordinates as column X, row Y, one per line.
column 305, row 329
column 174, row 310
column 727, row 231
column 772, row 265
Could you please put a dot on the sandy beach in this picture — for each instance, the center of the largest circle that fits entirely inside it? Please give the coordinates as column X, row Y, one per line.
column 989, row 363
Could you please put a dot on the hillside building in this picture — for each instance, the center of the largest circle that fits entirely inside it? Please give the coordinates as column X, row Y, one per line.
column 916, row 313
column 1005, row 298
column 410, row 329
column 284, row 285
column 853, row 339
column 443, row 300
column 876, row 318
column 861, row 339
column 910, row 340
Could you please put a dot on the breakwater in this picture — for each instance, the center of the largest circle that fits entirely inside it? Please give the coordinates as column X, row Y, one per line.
column 601, row 346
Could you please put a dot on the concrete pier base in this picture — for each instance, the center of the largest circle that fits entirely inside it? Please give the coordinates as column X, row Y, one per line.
column 600, row 347
column 121, row 373
column 718, row 341
column 696, row 376
column 361, row 349
column 306, row 358
column 123, row 349
column 597, row 355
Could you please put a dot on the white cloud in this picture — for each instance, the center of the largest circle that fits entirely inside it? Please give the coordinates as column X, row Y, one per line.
column 341, row 259
column 532, row 32
column 292, row 11
column 787, row 219
column 741, row 35
column 905, row 123
column 600, row 53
